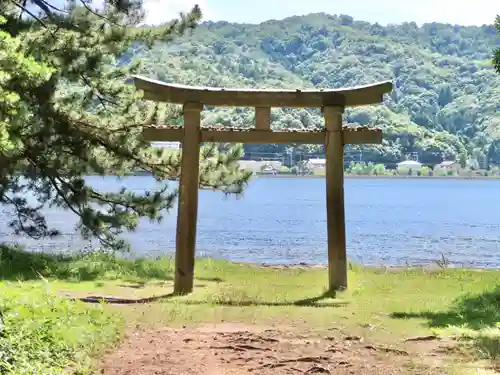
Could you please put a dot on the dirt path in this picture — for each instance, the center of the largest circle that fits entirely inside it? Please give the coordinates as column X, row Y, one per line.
column 239, row 349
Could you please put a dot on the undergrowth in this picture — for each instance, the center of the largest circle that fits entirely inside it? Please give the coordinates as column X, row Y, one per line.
column 45, row 334
column 42, row 333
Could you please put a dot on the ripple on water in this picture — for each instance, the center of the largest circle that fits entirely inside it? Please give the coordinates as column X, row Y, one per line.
column 389, row 221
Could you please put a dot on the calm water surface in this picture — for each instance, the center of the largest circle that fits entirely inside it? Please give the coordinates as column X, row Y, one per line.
column 283, row 220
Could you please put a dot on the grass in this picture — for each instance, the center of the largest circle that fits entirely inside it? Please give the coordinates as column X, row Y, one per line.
column 45, row 334
column 386, row 305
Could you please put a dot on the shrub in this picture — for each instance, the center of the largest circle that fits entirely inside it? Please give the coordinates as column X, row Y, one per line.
column 46, row 334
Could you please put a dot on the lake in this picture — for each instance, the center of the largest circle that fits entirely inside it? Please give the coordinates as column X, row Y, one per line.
column 283, row 220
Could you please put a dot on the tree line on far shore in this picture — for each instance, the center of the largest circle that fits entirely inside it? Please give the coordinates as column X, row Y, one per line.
column 378, row 169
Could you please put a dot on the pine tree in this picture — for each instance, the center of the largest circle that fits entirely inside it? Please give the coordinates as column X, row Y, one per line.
column 496, row 56
column 67, row 111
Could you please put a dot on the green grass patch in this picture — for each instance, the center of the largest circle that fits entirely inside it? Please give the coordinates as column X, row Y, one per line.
column 44, row 334
column 383, row 304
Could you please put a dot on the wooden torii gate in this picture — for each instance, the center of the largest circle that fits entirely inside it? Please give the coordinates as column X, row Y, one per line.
column 334, row 136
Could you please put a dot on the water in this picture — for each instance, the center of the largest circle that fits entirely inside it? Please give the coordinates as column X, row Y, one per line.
column 283, row 220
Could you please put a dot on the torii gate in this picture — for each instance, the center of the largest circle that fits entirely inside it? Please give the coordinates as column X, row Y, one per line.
column 334, row 137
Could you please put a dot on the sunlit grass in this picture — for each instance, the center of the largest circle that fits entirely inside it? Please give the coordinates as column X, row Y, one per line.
column 44, row 334
column 385, row 305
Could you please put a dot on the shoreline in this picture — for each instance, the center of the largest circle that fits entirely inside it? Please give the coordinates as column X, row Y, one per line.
column 170, row 257
column 350, row 176
column 387, row 268
column 439, row 263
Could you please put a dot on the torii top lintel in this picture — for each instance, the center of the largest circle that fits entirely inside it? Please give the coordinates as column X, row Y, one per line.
column 180, row 94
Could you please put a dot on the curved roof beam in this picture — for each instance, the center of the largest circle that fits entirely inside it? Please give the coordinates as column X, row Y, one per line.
column 220, row 97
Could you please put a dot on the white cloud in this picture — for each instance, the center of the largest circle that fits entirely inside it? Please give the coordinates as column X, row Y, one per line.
column 159, row 11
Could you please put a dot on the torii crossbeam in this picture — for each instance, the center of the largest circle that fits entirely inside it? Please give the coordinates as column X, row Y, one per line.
column 334, row 136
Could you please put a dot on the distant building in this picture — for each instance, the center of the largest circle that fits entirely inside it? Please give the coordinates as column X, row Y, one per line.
column 449, row 166
column 261, row 166
column 316, row 163
column 415, row 166
column 169, row 145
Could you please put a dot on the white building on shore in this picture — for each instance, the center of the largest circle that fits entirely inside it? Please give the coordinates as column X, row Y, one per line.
column 169, row 145
column 415, row 166
column 260, row 166
column 316, row 163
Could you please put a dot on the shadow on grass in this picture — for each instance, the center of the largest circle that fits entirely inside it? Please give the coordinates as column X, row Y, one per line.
column 210, row 279
column 309, row 302
column 237, row 302
column 122, row 301
column 17, row 264
column 473, row 312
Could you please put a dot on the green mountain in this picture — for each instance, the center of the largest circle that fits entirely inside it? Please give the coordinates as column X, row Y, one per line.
column 446, row 97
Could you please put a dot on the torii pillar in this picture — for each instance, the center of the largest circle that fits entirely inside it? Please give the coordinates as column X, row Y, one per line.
column 335, row 211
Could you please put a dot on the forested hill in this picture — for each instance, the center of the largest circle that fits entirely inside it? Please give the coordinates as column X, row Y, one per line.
column 446, row 101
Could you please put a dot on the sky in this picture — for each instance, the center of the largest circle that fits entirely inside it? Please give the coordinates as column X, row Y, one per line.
column 462, row 12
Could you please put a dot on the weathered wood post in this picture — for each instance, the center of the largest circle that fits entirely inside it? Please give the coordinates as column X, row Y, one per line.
column 188, row 200
column 334, row 150
column 262, row 115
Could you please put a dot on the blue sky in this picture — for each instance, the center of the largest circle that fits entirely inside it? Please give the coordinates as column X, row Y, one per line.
column 463, row 12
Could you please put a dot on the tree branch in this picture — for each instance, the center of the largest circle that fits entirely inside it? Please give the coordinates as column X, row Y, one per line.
column 27, row 11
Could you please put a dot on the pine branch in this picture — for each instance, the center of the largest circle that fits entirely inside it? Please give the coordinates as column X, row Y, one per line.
column 46, row 6
column 73, row 115
column 99, row 15
column 24, row 9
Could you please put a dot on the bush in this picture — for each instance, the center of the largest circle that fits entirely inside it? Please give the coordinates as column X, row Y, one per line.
column 366, row 169
column 379, row 170
column 438, row 171
column 45, row 334
column 402, row 171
